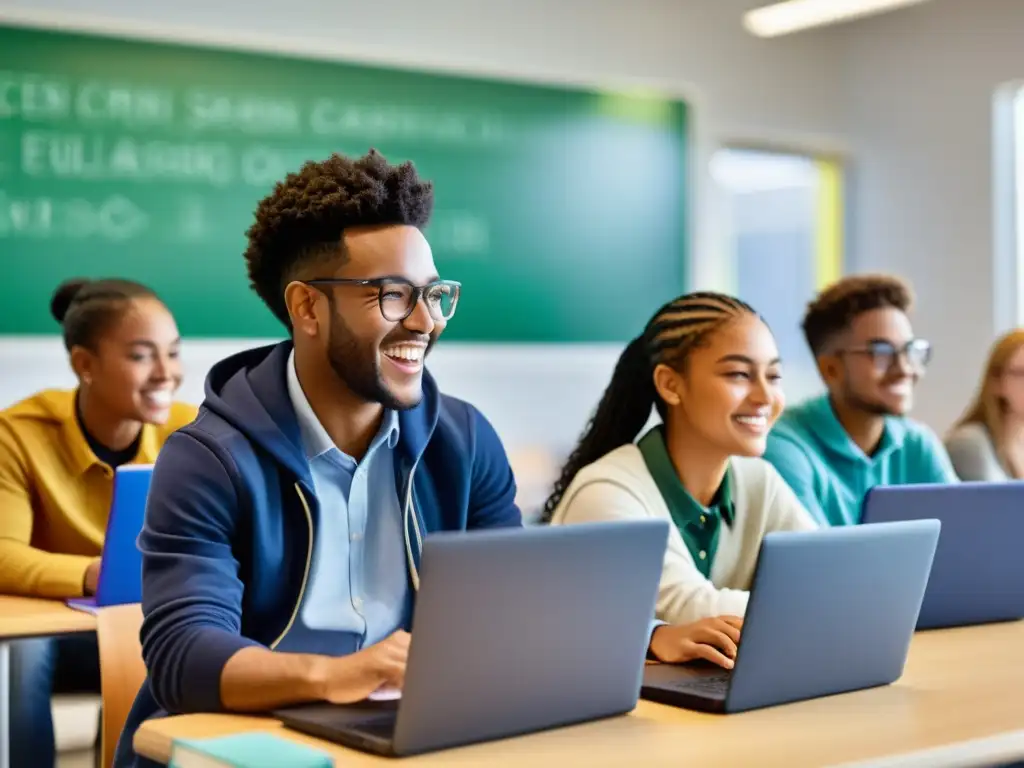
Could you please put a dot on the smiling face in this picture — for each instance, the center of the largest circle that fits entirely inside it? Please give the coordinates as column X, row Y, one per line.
column 876, row 363
column 729, row 393
column 379, row 358
column 135, row 369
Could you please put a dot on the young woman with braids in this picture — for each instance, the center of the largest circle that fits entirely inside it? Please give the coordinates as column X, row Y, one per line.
column 709, row 365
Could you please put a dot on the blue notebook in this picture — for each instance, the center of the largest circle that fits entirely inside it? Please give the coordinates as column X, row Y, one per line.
column 257, row 749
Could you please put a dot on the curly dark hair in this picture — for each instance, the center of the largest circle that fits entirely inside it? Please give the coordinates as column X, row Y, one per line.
column 301, row 222
column 677, row 328
column 837, row 306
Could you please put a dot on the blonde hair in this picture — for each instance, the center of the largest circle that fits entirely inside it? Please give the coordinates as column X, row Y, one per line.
column 988, row 408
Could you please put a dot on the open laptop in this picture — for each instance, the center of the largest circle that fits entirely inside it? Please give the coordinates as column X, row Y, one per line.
column 515, row 630
column 978, row 575
column 830, row 611
column 120, row 580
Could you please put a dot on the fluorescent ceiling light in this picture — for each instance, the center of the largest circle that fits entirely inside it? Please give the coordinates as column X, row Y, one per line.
column 795, row 15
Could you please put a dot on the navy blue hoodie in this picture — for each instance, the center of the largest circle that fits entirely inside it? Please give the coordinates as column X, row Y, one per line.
column 232, row 517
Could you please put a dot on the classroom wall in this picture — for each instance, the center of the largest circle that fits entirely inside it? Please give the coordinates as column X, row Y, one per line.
column 740, row 88
column 919, row 114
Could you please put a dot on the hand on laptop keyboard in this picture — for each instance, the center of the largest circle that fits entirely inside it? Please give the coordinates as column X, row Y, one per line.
column 352, row 678
column 713, row 639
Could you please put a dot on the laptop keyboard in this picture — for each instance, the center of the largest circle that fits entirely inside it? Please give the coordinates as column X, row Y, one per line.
column 710, row 684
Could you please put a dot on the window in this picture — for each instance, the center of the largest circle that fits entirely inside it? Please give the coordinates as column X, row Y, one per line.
column 784, row 229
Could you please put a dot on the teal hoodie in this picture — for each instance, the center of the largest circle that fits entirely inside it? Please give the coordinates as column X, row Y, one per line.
column 831, row 474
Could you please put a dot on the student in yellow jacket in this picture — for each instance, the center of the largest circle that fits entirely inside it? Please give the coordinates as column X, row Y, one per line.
column 58, row 452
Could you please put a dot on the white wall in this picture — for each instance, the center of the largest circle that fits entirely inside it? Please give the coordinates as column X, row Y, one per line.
column 739, row 87
column 919, row 88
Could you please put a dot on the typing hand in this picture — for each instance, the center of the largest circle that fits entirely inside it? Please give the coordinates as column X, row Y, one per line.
column 354, row 677
column 92, row 577
column 714, row 639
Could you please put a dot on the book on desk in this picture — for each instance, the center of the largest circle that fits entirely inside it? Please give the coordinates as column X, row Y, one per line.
column 257, row 749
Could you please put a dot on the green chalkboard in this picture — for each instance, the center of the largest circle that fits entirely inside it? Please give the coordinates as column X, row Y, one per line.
column 562, row 211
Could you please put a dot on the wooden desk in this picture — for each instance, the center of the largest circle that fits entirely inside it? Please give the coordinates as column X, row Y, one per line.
column 22, row 617
column 959, row 685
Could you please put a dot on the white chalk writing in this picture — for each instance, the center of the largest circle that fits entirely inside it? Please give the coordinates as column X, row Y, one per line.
column 124, row 105
column 245, row 114
column 33, row 97
column 114, row 218
column 331, row 117
column 47, row 154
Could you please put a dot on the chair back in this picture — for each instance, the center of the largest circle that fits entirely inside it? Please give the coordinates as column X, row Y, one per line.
column 122, row 670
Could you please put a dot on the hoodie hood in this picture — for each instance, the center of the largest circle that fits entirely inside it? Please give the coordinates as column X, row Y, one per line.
column 249, row 390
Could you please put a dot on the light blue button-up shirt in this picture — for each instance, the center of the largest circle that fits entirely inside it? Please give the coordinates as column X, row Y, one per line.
column 358, row 580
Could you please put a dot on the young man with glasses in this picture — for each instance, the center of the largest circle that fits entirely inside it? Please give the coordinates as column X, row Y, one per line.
column 283, row 526
column 832, row 449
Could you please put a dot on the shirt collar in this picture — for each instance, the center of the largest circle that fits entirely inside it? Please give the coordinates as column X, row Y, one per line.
column 315, row 440
column 659, row 464
column 80, row 454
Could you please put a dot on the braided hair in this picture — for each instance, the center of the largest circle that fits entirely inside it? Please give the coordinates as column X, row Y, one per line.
column 679, row 327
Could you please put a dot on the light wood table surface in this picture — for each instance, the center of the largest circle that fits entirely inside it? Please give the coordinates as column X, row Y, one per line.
column 961, row 696
column 29, row 616
column 22, row 617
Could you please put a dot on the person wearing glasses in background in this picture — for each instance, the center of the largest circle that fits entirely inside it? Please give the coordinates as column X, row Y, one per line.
column 832, row 449
column 283, row 527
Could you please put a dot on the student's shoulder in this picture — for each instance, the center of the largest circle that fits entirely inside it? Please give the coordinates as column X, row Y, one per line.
column 624, row 465
column 969, row 436
column 37, row 419
column 48, row 405
column 617, row 482
column 182, row 414
column 788, row 448
column 457, row 412
column 918, row 436
column 755, row 474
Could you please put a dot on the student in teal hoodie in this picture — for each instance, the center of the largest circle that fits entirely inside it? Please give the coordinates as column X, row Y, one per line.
column 832, row 449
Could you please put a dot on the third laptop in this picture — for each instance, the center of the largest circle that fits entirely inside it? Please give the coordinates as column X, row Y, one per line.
column 830, row 611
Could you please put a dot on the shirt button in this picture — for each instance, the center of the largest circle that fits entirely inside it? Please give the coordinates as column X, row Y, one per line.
column 357, row 602
column 703, row 554
column 356, row 537
column 703, row 519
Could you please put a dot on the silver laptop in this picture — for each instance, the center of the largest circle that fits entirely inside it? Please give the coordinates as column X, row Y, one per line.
column 515, row 630
column 830, row 611
column 978, row 575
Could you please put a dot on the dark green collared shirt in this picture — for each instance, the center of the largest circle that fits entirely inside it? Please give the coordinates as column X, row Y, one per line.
column 698, row 526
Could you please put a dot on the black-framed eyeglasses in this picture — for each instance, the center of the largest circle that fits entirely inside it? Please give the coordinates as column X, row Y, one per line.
column 397, row 297
column 884, row 354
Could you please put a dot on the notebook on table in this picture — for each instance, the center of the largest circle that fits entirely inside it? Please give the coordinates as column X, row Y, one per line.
column 258, row 749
